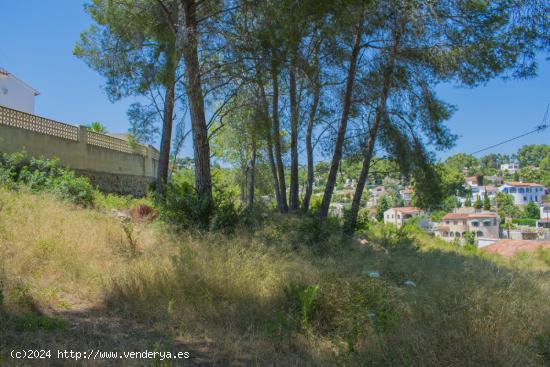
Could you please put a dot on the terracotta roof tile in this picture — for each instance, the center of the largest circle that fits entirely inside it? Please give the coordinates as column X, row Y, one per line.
column 469, row 215
column 408, row 210
column 523, row 184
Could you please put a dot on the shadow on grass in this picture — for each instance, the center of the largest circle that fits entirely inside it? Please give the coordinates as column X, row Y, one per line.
column 91, row 330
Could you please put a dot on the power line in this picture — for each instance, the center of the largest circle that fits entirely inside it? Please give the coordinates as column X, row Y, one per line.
column 543, row 126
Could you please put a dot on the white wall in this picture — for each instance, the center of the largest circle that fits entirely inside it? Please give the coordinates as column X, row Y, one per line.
column 15, row 94
column 528, row 194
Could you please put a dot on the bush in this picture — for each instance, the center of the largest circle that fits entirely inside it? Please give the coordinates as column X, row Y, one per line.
column 525, row 222
column 182, row 207
column 78, row 190
column 363, row 219
column 18, row 170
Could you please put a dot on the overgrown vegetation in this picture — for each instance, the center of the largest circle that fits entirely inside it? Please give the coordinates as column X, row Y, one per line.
column 266, row 292
column 18, row 171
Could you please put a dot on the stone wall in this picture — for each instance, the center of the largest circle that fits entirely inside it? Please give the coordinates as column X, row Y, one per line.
column 118, row 183
column 111, row 163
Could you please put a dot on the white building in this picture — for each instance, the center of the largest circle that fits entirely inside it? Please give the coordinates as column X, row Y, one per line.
column 398, row 216
column 16, row 94
column 524, row 192
column 479, row 192
column 406, row 196
column 509, row 167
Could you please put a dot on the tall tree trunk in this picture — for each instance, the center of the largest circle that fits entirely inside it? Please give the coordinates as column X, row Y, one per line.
column 277, row 137
column 166, row 138
column 351, row 221
column 244, row 173
column 251, row 174
column 294, row 199
column 203, row 178
column 309, row 133
column 167, row 118
column 337, row 156
column 269, row 140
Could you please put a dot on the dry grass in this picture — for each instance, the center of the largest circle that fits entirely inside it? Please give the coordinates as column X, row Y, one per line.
column 233, row 293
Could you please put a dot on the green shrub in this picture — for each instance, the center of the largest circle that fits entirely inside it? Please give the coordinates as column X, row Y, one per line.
column 318, row 234
column 39, row 174
column 544, row 255
column 226, row 214
column 363, row 219
column 182, row 207
column 33, row 322
column 294, row 316
column 525, row 222
column 78, row 190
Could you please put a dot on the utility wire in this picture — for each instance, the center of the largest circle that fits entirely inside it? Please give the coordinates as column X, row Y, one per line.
column 543, row 126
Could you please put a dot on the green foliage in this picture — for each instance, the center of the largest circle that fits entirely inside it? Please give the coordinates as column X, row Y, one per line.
column 532, row 155
column 78, row 190
column 182, row 207
column 545, row 163
column 525, row 222
column 318, row 234
column 468, row 201
column 544, row 255
column 294, row 315
column 451, row 202
column 97, row 127
column 470, row 238
column 531, row 210
column 505, row 205
column 478, row 204
column 437, row 215
column 35, row 322
column 381, row 207
column 301, row 300
column 363, row 218
column 17, row 170
column 227, row 214
column 459, row 162
column 486, row 201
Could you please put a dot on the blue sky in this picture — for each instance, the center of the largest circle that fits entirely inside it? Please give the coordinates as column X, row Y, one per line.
column 37, row 38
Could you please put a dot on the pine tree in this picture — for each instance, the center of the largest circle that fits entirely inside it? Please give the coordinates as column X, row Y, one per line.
column 382, row 206
column 468, row 202
column 486, row 201
column 478, row 203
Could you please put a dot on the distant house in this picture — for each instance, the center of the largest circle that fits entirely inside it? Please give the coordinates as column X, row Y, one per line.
column 398, row 216
column 494, row 179
column 544, row 221
column 16, row 94
column 456, row 225
column 471, row 181
column 524, row 192
column 479, row 192
column 509, row 168
column 376, row 193
column 406, row 196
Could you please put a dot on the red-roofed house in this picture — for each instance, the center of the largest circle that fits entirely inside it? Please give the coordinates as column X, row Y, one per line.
column 398, row 216
column 456, row 225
